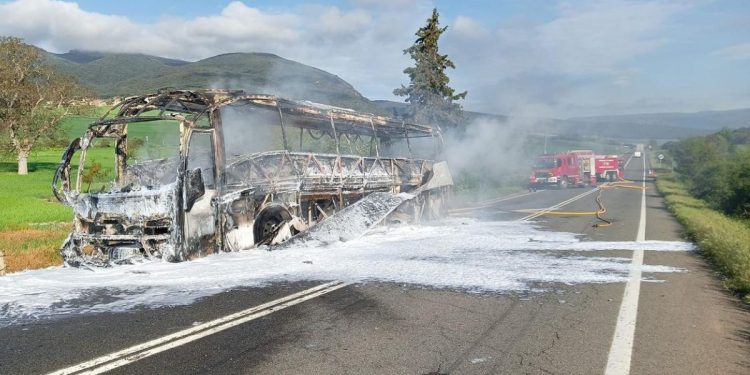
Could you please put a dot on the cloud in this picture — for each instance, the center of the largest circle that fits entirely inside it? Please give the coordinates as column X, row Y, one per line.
column 573, row 56
column 544, row 65
column 334, row 21
column 237, row 24
column 65, row 25
column 735, row 52
column 600, row 37
column 389, row 3
column 468, row 27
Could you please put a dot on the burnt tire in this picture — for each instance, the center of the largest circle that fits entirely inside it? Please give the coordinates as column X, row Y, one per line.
column 268, row 222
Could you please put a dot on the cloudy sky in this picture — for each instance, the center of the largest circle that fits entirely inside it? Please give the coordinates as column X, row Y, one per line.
column 523, row 57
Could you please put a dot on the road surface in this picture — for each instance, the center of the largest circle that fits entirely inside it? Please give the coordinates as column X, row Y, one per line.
column 684, row 323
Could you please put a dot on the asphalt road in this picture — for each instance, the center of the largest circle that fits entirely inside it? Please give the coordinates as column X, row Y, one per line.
column 685, row 324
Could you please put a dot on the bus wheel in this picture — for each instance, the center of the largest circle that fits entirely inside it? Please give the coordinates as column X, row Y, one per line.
column 268, row 223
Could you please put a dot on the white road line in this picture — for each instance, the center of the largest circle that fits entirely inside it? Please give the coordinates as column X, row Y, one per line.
column 641, row 236
column 627, row 162
column 489, row 203
column 147, row 349
column 505, row 198
column 621, row 351
column 556, row 206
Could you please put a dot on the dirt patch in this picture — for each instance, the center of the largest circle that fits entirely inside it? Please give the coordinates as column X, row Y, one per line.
column 23, row 235
column 32, row 248
column 32, row 259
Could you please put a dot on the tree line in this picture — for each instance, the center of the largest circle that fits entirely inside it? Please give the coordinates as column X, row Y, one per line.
column 716, row 169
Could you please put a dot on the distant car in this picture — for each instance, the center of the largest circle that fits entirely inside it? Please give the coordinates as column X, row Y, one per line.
column 637, row 154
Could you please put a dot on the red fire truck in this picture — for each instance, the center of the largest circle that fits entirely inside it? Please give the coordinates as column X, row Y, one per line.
column 563, row 169
column 608, row 167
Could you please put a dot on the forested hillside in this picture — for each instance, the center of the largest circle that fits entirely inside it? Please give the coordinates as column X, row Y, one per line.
column 114, row 74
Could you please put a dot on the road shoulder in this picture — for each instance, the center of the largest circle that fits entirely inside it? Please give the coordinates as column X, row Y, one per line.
column 687, row 323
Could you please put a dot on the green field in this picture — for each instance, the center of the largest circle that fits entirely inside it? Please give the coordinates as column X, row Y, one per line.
column 74, row 127
column 28, row 199
column 33, row 224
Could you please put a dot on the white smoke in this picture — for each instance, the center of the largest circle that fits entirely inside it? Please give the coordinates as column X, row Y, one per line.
column 488, row 155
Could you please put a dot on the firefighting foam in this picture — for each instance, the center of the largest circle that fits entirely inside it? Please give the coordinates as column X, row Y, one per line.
column 458, row 254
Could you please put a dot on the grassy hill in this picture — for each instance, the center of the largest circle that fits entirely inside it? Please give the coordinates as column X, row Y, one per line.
column 116, row 74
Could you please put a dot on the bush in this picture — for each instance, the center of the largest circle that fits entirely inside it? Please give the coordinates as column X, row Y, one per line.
column 716, row 169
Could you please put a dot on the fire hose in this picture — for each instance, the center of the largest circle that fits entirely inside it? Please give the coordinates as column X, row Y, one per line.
column 601, row 209
column 624, row 184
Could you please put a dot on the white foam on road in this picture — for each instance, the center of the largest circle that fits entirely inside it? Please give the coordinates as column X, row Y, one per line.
column 461, row 254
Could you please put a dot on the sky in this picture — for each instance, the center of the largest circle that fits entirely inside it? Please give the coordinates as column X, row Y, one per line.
column 540, row 58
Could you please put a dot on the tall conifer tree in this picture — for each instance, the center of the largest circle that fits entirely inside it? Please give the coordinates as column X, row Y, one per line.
column 431, row 100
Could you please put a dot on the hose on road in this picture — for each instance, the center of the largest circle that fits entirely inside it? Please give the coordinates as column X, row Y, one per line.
column 601, row 209
column 600, row 203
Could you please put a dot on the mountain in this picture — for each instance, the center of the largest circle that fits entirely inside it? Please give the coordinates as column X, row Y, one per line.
column 634, row 127
column 624, row 129
column 661, row 125
column 118, row 74
column 733, row 119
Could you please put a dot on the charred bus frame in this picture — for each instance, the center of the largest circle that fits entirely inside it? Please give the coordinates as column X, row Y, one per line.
column 234, row 202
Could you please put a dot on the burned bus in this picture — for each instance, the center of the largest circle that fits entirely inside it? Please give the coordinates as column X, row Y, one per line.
column 182, row 174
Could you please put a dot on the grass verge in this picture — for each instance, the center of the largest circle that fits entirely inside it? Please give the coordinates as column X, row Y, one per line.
column 33, row 247
column 723, row 240
column 33, row 224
